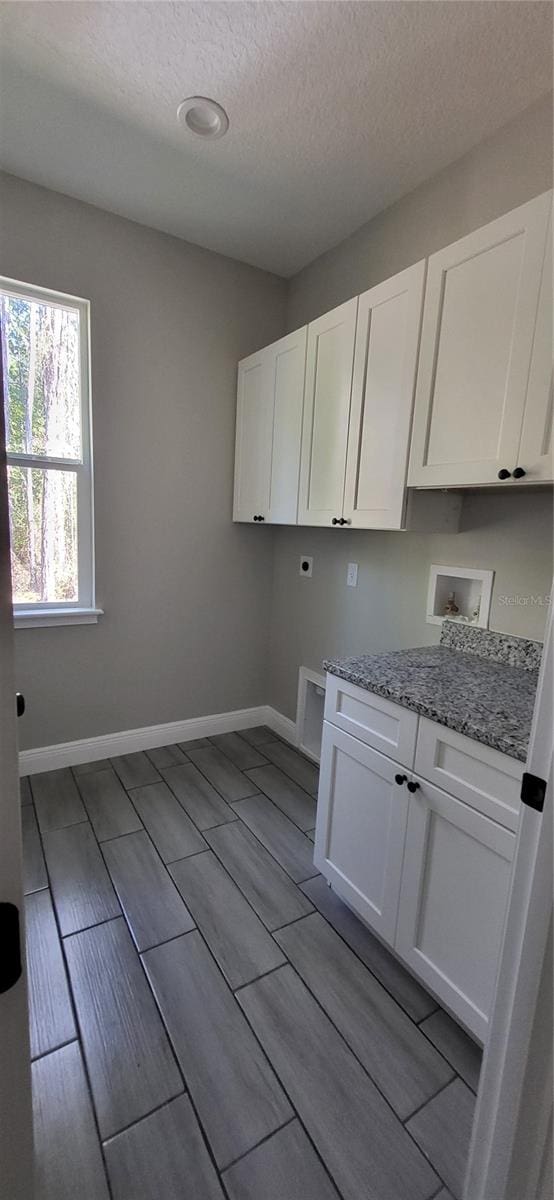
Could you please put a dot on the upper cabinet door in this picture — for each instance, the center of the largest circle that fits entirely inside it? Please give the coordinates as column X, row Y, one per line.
column 329, row 363
column 253, row 439
column 536, row 450
column 385, row 365
column 476, row 343
column 286, row 365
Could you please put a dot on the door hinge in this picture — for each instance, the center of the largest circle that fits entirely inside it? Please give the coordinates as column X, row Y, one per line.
column 533, row 791
column 10, row 946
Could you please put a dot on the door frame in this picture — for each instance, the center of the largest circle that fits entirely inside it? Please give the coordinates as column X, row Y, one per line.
column 16, row 1123
column 518, row 1016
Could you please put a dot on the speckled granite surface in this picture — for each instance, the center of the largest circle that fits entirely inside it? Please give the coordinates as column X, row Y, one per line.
column 486, row 699
column 498, row 647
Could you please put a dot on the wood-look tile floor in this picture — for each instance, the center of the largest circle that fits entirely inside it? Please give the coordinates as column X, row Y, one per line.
column 208, row 1019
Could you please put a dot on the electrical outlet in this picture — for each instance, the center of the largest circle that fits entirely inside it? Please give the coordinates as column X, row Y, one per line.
column 352, row 575
column 306, row 564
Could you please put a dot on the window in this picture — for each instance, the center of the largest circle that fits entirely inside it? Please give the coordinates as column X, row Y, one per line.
column 45, row 367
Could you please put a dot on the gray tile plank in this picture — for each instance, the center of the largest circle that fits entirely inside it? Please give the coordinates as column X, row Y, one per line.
column 194, row 744
column 443, row 1130
column 286, row 794
column 413, row 998
column 461, row 1051
column 134, row 770
column 25, row 790
column 81, row 887
column 238, row 1099
column 34, row 869
column 108, row 805
column 197, row 796
column 362, row 1143
column 163, row 1157
column 166, row 756
column 171, row 829
column 293, row 764
column 270, row 891
column 222, row 774
column 258, row 735
column 397, row 1056
column 50, row 1013
column 285, row 1167
column 129, row 1060
column 444, row 1195
column 57, row 801
column 101, row 764
column 236, row 937
column 310, row 833
column 241, row 753
column 152, row 905
column 68, row 1159
column 283, row 840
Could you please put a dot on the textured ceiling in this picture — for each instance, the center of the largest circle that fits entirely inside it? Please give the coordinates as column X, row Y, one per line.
column 336, row 109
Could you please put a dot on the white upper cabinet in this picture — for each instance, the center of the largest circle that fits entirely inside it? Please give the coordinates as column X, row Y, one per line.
column 269, row 431
column 329, row 364
column 477, row 344
column 385, row 365
column 535, row 450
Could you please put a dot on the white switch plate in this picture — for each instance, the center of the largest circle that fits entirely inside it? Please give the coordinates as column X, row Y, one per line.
column 352, row 575
column 306, row 565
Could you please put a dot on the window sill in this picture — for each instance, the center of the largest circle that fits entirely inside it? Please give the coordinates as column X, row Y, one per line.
column 28, row 618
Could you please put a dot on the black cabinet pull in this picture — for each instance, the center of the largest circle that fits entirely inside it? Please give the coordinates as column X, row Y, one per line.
column 400, row 779
column 261, row 518
column 518, row 473
column 413, row 785
column 335, row 521
column 504, row 474
column 254, row 518
column 19, row 704
column 342, row 521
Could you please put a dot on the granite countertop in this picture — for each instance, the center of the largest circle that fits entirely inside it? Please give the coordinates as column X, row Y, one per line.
column 479, row 683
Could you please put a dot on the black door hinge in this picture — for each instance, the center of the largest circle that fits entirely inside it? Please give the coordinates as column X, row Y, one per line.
column 533, row 791
column 10, row 946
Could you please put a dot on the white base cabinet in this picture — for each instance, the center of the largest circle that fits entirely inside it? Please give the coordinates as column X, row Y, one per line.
column 428, row 871
column 453, row 901
column 359, row 792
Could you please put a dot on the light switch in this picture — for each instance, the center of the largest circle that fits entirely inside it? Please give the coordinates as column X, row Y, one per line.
column 352, row 575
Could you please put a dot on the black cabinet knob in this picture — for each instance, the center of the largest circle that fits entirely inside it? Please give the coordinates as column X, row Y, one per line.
column 19, row 704
column 413, row 785
column 261, row 518
column 504, row 474
column 400, row 779
column 518, row 473
column 254, row 518
column 335, row 521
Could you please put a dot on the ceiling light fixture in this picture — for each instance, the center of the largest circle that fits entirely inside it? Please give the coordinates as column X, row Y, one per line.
column 204, row 117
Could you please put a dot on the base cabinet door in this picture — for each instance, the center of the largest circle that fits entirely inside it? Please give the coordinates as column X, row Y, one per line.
column 361, row 827
column 453, row 900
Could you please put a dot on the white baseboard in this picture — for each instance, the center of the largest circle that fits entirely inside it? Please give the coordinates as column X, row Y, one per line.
column 109, row 745
column 281, row 724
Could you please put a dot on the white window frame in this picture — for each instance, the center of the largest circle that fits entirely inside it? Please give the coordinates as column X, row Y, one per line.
column 83, row 610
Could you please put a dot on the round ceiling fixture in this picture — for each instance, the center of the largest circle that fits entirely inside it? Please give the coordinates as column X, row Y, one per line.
column 204, row 117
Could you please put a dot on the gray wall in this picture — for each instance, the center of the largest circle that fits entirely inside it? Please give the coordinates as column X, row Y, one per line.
column 313, row 618
column 185, row 592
